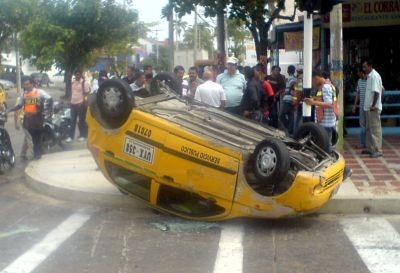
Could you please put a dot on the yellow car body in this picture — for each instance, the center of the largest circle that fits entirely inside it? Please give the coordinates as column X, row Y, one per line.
column 162, row 155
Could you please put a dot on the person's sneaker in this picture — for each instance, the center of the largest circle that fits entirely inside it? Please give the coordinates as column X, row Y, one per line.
column 81, row 139
column 365, row 152
column 375, row 155
column 68, row 140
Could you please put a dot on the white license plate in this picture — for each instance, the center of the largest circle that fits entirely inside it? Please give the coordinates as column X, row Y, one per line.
column 139, row 150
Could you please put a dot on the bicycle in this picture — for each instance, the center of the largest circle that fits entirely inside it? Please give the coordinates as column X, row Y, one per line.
column 7, row 156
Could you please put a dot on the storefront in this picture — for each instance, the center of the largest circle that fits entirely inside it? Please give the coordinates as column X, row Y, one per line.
column 371, row 28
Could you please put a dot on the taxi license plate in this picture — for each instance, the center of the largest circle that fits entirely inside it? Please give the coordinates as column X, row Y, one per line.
column 139, row 150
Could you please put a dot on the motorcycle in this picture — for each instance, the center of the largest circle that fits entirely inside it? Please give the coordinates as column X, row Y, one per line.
column 56, row 127
column 7, row 156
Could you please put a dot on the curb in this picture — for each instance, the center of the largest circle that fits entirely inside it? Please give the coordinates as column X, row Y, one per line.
column 106, row 194
column 82, row 197
column 359, row 205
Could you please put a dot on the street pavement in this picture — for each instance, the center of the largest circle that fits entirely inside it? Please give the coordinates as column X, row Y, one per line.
column 373, row 188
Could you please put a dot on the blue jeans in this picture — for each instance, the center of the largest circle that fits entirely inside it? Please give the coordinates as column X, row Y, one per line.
column 286, row 116
column 329, row 131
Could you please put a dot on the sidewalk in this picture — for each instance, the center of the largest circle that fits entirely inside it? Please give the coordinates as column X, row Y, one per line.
column 373, row 188
column 375, row 184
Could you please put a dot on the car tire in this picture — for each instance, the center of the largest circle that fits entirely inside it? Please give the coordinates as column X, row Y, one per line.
column 169, row 79
column 270, row 161
column 115, row 102
column 316, row 133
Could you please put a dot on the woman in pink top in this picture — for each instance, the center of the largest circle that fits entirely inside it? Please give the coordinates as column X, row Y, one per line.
column 79, row 89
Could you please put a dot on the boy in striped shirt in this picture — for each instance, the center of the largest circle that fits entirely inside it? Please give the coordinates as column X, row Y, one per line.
column 360, row 98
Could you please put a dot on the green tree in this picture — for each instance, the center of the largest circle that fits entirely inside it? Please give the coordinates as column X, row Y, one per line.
column 72, row 33
column 163, row 59
column 205, row 38
column 238, row 34
column 14, row 15
column 212, row 8
column 179, row 27
column 258, row 15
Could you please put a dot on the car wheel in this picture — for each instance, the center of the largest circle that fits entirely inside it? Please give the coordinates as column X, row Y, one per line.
column 169, row 79
column 314, row 132
column 270, row 161
column 114, row 101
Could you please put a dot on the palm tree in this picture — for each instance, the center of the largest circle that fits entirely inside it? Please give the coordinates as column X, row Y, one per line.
column 179, row 26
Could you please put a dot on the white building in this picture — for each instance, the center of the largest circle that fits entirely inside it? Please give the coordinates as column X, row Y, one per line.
column 186, row 57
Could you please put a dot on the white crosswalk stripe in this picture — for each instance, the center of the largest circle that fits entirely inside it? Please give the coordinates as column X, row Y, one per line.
column 376, row 241
column 39, row 252
column 230, row 250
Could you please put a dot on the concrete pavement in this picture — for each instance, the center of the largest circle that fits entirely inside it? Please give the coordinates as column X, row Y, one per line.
column 373, row 188
column 73, row 175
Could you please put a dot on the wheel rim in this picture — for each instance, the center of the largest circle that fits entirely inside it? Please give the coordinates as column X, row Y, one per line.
column 112, row 99
column 266, row 161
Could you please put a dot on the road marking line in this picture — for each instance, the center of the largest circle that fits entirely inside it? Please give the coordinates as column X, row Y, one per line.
column 230, row 250
column 39, row 252
column 376, row 241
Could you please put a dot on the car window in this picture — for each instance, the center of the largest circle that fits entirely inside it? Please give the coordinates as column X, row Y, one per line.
column 187, row 203
column 129, row 181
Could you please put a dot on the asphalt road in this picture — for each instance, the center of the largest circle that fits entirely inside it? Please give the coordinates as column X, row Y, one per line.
column 42, row 234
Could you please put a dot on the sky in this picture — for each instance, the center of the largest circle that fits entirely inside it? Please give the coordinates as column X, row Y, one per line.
column 150, row 11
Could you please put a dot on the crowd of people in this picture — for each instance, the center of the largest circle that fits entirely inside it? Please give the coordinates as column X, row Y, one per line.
column 277, row 101
column 251, row 92
column 270, row 99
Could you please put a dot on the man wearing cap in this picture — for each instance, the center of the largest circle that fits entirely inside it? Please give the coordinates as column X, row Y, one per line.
column 234, row 85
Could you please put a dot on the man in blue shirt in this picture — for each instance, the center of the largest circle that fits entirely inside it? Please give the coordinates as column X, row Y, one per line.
column 234, row 85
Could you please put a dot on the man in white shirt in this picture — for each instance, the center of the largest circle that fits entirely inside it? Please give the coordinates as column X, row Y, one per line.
column 209, row 92
column 373, row 109
column 139, row 86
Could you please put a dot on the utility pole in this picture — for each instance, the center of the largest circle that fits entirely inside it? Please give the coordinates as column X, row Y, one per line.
column 196, row 33
column 171, row 36
column 221, row 36
column 336, row 65
column 18, row 66
column 307, row 48
column 227, row 42
column 157, row 51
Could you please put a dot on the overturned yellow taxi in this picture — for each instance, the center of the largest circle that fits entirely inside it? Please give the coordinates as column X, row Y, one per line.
column 202, row 163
